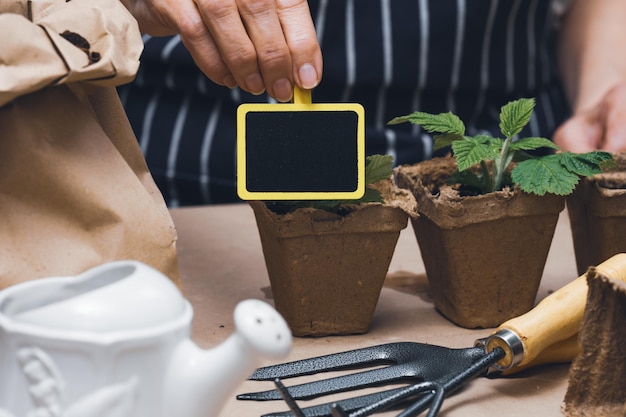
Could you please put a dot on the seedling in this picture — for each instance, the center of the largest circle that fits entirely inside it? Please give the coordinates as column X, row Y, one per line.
column 505, row 162
column 377, row 168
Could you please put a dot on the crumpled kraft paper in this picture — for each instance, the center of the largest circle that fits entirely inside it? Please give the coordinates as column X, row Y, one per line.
column 52, row 42
column 75, row 190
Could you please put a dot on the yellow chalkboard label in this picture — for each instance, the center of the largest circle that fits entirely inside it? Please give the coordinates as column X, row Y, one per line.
column 300, row 150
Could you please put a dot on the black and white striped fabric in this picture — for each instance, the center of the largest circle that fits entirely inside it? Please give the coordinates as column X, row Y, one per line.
column 392, row 56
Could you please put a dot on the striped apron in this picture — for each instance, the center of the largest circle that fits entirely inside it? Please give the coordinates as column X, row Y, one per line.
column 392, row 56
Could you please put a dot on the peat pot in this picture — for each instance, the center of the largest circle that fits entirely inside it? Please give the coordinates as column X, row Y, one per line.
column 597, row 212
column 327, row 270
column 484, row 255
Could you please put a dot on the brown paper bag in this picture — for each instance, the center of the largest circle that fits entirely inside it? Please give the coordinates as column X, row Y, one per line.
column 75, row 190
column 44, row 43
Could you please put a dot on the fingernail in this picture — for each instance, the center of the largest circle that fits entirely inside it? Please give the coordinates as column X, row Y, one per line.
column 254, row 83
column 283, row 90
column 308, row 76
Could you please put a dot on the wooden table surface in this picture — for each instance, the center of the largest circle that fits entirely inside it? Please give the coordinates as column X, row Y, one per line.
column 221, row 263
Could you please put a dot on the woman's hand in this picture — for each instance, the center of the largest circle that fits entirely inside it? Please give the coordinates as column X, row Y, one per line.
column 258, row 45
column 601, row 127
column 593, row 66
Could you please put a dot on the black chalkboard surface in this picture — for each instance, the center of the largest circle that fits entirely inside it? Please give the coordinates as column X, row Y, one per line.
column 300, row 150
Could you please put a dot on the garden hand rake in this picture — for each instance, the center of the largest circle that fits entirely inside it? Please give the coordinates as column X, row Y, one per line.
column 546, row 334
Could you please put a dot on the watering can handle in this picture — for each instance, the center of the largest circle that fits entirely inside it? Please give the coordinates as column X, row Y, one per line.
column 549, row 332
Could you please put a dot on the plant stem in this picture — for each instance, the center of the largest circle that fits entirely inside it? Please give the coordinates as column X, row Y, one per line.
column 500, row 164
column 487, row 184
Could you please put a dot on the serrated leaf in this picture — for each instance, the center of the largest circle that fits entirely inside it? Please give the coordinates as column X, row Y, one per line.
column 471, row 151
column 433, row 123
column 378, row 168
column 544, row 175
column 578, row 166
column 597, row 157
column 515, row 115
column 530, row 144
column 372, row 195
column 441, row 141
column 584, row 164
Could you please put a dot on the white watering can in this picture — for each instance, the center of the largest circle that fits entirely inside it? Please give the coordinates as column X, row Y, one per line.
column 114, row 342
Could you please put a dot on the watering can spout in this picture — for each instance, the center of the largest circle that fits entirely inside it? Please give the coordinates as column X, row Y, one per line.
column 199, row 381
column 115, row 338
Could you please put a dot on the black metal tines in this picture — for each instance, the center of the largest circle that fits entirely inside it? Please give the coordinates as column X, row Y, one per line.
column 337, row 411
column 431, row 394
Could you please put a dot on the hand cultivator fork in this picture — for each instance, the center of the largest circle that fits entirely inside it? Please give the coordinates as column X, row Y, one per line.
column 548, row 333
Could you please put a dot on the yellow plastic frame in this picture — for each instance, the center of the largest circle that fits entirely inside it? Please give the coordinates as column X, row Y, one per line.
column 301, row 102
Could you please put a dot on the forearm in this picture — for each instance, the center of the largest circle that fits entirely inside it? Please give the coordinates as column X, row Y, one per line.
column 592, row 50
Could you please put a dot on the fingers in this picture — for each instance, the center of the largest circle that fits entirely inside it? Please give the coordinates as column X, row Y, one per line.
column 581, row 133
column 615, row 138
column 207, row 57
column 259, row 45
column 601, row 128
column 301, row 38
column 198, row 39
column 615, row 135
column 273, row 64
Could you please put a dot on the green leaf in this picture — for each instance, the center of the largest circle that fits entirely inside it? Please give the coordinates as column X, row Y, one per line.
column 378, row 168
column 584, row 164
column 371, row 195
column 433, row 123
column 472, row 150
column 441, row 141
column 530, row 144
column 544, row 175
column 515, row 115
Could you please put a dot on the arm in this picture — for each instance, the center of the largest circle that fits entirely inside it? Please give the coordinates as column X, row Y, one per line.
column 592, row 57
column 258, row 45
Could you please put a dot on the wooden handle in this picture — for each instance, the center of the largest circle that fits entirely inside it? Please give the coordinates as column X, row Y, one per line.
column 560, row 352
column 549, row 329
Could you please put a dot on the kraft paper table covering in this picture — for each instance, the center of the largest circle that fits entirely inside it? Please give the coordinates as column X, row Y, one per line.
column 221, row 263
